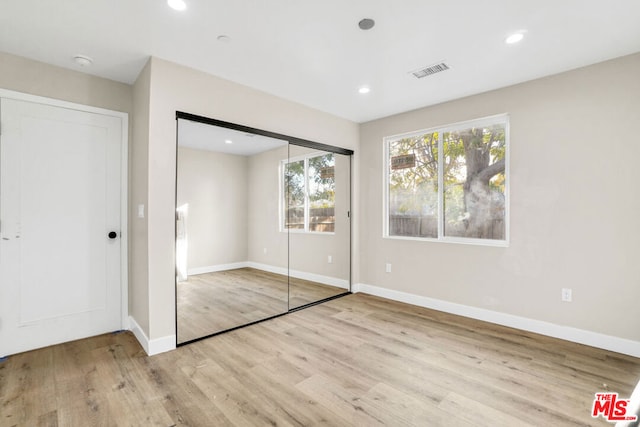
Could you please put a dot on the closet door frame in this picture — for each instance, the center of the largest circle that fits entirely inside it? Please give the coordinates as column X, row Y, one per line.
column 292, row 141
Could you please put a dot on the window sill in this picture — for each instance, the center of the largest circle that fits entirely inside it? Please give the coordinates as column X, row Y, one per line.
column 457, row 240
column 319, row 233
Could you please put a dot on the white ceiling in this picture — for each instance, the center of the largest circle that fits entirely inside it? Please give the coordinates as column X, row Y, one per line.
column 200, row 136
column 313, row 52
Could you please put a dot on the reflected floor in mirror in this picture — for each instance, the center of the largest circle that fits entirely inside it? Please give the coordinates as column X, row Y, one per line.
column 213, row 302
column 303, row 292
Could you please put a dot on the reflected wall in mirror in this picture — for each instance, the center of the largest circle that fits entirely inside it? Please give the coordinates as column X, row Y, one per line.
column 316, row 201
column 218, row 202
column 262, row 225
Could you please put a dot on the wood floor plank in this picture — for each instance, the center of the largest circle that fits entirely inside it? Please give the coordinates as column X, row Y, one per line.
column 212, row 302
column 407, row 364
column 128, row 386
column 240, row 404
column 397, row 408
column 297, row 408
column 186, row 403
column 354, row 361
column 338, row 400
column 48, row 419
column 32, row 393
column 479, row 415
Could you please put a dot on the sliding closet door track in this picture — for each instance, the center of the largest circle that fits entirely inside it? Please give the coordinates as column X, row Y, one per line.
column 293, row 310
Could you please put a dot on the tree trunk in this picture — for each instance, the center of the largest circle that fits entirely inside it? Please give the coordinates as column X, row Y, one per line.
column 477, row 191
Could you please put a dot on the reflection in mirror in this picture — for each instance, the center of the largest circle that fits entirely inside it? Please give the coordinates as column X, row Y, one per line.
column 231, row 259
column 315, row 211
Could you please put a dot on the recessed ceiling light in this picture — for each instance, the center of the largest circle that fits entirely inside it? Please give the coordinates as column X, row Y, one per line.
column 514, row 38
column 228, row 141
column 364, row 89
column 83, row 60
column 177, row 4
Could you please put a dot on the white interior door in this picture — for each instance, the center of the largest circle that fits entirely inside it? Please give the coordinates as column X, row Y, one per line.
column 60, row 272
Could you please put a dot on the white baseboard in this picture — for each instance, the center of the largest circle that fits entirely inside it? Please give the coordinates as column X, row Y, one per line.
column 325, row 280
column 318, row 278
column 214, row 268
column 155, row 346
column 269, row 268
column 594, row 339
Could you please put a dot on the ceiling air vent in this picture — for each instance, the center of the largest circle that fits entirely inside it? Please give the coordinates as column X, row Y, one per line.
column 431, row 69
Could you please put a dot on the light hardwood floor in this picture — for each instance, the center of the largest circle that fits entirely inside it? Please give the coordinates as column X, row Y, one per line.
column 302, row 292
column 354, row 361
column 213, row 302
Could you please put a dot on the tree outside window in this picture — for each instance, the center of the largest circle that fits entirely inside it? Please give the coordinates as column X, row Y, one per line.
column 449, row 183
column 309, row 194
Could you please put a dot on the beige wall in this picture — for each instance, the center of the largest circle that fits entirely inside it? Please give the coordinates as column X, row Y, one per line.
column 174, row 87
column 139, row 187
column 215, row 187
column 574, row 205
column 263, row 226
column 37, row 78
column 302, row 252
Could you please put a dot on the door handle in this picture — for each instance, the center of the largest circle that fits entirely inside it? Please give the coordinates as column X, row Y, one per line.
column 112, row 235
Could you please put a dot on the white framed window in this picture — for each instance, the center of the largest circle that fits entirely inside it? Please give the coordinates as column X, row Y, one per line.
column 449, row 183
column 308, row 190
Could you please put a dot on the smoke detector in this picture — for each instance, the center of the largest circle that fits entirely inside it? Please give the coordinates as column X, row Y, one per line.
column 83, row 60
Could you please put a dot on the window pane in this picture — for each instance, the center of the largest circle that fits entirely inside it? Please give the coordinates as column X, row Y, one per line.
column 413, row 186
column 294, row 195
column 322, row 186
column 474, row 182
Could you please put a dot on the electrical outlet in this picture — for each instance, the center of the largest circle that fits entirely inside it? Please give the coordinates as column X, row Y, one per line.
column 388, row 267
column 566, row 294
column 330, row 259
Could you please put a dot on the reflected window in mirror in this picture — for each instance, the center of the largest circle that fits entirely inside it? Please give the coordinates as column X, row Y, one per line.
column 308, row 202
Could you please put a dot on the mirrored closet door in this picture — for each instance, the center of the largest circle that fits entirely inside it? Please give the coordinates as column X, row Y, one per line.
column 317, row 184
column 262, row 225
